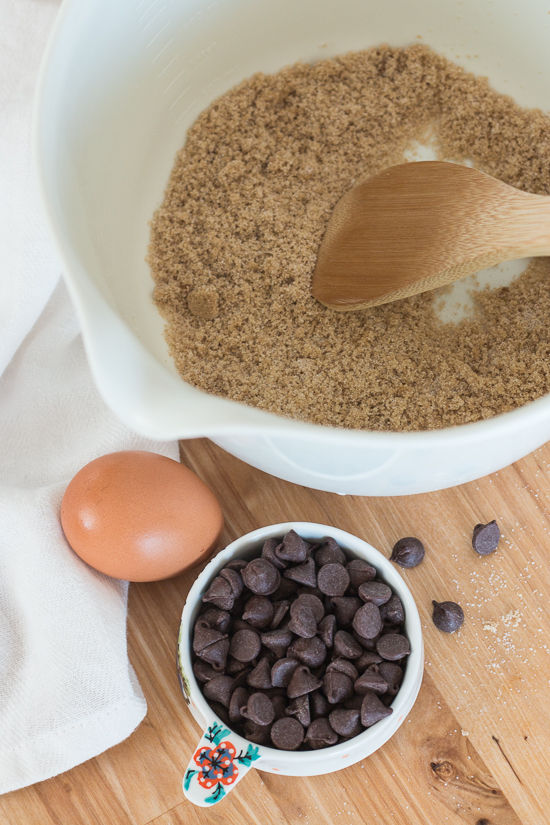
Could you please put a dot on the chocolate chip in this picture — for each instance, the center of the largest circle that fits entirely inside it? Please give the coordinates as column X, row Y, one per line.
column 344, row 666
column 269, row 554
column 318, row 704
column 346, row 722
column 485, row 538
column 245, row 645
column 368, row 644
column 320, row 734
column 233, row 666
column 258, row 611
column 326, row 629
column 216, row 654
column 235, row 564
column 367, row 621
column 219, row 690
column 221, row 712
column 392, row 674
column 311, row 652
column 259, row 734
column 302, row 682
column 220, row 593
column 261, row 577
column 368, row 657
column 299, row 708
column 205, row 635
column 216, row 618
column 313, row 602
column 372, row 710
column 304, row 574
column 407, row 552
column 376, row 593
column 260, row 677
column 447, row 616
column 393, row 647
column 203, row 671
column 355, row 702
column 337, row 687
column 240, row 678
column 287, row 734
column 235, row 580
column 360, row 571
column 239, row 698
column 345, row 608
column 280, row 609
column 333, row 579
column 330, row 553
column 282, row 671
column 279, row 706
column 292, row 548
column 393, row 611
column 259, row 709
column 286, row 590
column 277, row 640
column 371, row 680
column 346, row 646
column 303, row 622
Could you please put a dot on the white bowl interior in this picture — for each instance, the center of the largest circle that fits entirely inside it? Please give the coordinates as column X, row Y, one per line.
column 121, row 84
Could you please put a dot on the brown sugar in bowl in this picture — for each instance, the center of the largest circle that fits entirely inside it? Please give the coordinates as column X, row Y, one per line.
column 140, row 516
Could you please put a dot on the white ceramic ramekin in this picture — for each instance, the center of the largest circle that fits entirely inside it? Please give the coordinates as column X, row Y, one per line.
column 307, row 763
column 121, row 83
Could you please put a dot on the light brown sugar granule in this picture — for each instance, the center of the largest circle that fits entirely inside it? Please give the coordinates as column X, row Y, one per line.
column 246, row 207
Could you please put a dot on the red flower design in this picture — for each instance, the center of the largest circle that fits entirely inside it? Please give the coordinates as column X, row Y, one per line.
column 216, row 765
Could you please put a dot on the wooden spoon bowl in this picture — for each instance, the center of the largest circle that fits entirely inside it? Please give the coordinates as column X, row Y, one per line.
column 419, row 226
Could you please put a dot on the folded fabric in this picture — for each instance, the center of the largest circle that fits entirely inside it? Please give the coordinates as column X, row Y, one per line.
column 67, row 689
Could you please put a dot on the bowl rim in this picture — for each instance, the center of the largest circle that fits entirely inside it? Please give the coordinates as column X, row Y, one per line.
column 249, row 544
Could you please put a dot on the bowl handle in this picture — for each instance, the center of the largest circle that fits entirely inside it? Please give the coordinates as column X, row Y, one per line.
column 220, row 760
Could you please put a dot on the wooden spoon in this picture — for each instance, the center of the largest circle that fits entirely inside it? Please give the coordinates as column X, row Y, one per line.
column 418, row 226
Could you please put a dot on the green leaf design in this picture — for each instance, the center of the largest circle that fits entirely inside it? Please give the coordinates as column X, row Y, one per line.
column 250, row 756
column 222, row 732
column 188, row 777
column 218, row 793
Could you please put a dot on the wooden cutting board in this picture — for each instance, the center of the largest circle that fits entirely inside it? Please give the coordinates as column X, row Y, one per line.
column 475, row 748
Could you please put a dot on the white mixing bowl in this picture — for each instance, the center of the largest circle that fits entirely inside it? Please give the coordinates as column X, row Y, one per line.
column 121, row 83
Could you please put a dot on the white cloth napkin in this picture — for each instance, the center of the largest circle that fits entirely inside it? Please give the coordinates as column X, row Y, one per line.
column 67, row 689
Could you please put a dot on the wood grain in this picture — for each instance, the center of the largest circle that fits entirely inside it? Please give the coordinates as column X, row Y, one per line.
column 473, row 750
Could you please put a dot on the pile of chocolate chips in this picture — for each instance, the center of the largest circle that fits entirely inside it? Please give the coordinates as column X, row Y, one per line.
column 300, row 648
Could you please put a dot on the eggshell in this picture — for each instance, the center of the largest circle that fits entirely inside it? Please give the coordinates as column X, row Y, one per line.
column 140, row 516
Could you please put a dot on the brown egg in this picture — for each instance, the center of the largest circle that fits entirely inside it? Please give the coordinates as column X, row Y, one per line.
column 140, row 516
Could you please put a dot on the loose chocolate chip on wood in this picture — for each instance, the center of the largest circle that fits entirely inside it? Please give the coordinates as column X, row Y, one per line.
column 485, row 538
column 393, row 647
column 408, row 552
column 376, row 593
column 261, row 577
column 372, row 710
column 287, row 734
column 367, row 621
column 292, row 548
column 359, row 572
column 346, row 722
column 447, row 616
column 333, row 579
column 320, row 734
column 245, row 645
column 282, row 671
